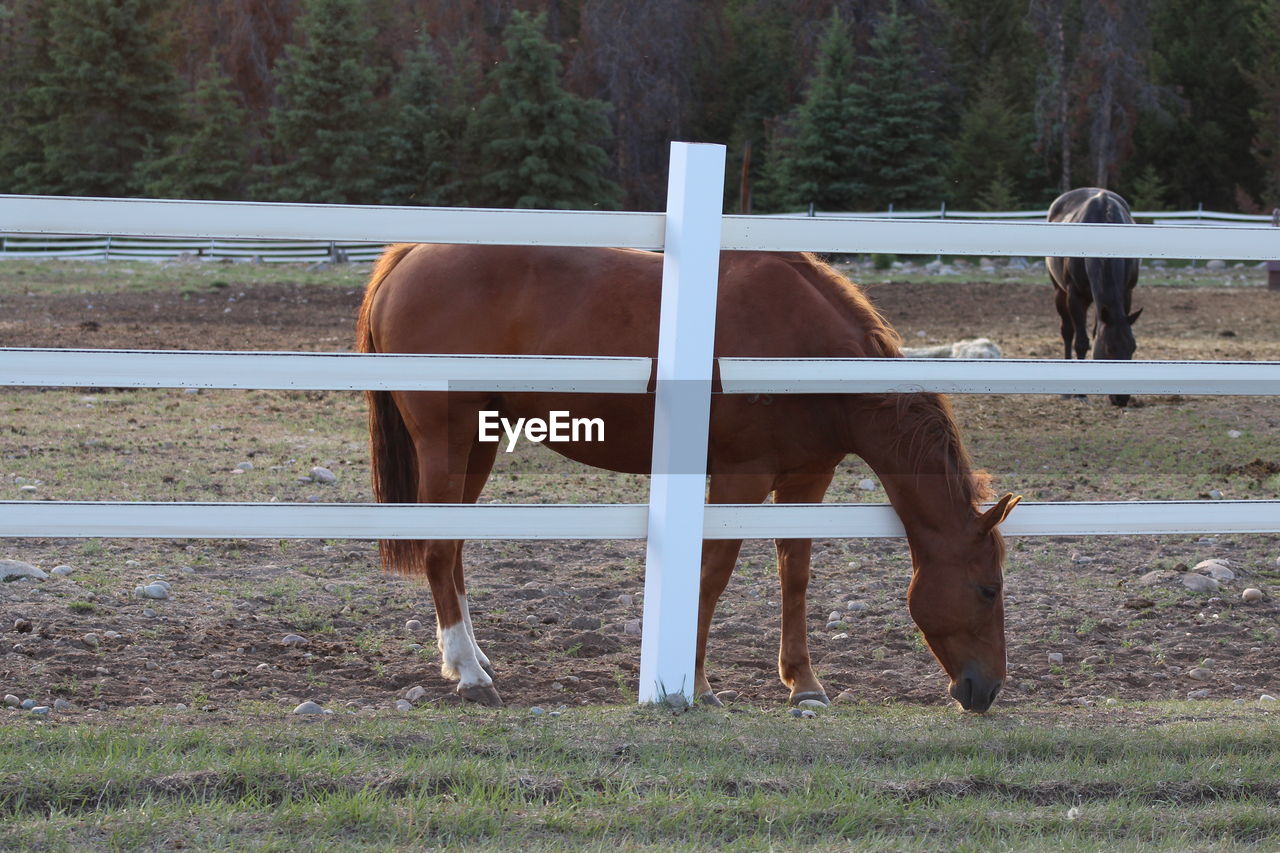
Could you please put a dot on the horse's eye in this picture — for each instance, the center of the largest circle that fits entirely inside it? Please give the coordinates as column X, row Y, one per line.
column 989, row 593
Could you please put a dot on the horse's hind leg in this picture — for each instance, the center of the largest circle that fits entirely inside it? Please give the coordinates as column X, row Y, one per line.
column 1067, row 326
column 479, row 465
column 794, row 667
column 444, row 437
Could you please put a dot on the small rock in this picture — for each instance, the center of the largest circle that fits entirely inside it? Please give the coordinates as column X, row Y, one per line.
column 555, row 713
column 42, row 710
column 216, row 674
column 815, row 704
column 293, row 640
column 867, row 485
column 809, row 714
column 727, row 695
column 149, row 613
column 1266, row 697
column 1216, row 569
column 1199, row 583
column 63, row 705
column 320, row 474
column 1234, row 433
column 1209, row 663
column 91, row 640
column 532, row 619
column 632, row 627
column 796, row 712
column 1156, row 578
column 28, row 704
column 61, row 571
column 584, row 623
column 155, row 591
column 1055, row 658
column 1202, row 693
column 676, row 701
column 1252, row 594
column 626, row 600
column 413, row 625
column 415, row 694
column 22, row 626
column 404, row 705
column 180, row 707
column 244, row 466
column 847, row 696
column 536, row 711
column 1199, row 674
column 11, row 700
column 855, row 606
column 835, row 616
column 12, row 570
column 1215, row 494
column 837, row 625
column 308, row 707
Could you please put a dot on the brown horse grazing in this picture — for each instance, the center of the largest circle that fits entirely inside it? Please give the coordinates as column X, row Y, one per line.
column 1106, row 283
column 549, row 301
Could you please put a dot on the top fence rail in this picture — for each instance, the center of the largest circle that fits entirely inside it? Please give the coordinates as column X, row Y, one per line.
column 46, row 215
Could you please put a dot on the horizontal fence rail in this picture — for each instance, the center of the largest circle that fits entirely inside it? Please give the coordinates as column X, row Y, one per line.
column 108, row 519
column 320, row 371
column 272, row 220
column 996, row 376
column 149, row 217
column 622, row 375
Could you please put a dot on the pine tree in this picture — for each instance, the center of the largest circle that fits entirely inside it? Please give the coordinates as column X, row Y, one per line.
column 418, row 166
column 1265, row 77
column 1000, row 194
column 208, row 158
column 898, row 144
column 994, row 135
column 323, row 129
column 104, row 99
column 539, row 144
column 24, row 44
column 1148, row 192
column 814, row 162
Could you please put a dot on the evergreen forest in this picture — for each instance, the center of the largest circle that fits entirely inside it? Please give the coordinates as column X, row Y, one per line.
column 839, row 105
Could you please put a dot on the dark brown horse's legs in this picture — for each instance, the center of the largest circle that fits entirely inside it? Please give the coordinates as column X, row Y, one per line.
column 794, row 667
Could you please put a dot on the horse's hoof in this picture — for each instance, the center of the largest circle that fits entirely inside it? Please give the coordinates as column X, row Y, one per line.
column 711, row 699
column 481, row 694
column 815, row 695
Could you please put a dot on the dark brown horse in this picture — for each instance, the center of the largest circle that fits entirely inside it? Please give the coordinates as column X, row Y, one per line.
column 550, row 301
column 1105, row 283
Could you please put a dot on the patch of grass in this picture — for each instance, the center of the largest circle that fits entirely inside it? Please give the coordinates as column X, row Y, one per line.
column 1133, row 777
column 82, row 607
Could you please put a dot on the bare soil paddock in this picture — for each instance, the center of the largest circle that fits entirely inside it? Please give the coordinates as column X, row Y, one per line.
column 553, row 616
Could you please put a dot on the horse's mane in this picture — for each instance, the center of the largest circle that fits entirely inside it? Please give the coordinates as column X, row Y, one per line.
column 847, row 298
column 929, row 429
column 925, row 420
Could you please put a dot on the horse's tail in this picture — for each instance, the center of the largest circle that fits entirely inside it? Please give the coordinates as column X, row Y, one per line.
column 393, row 459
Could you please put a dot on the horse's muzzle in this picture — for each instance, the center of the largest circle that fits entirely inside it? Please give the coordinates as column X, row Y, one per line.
column 974, row 691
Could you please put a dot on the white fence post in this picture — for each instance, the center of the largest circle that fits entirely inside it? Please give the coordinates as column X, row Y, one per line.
column 682, row 409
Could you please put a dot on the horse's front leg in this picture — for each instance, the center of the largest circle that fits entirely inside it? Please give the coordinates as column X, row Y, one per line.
column 719, row 556
column 794, row 667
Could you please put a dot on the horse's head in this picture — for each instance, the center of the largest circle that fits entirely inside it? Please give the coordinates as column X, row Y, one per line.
column 1116, row 341
column 956, row 599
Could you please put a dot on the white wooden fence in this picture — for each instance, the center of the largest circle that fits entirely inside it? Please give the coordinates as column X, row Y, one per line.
column 691, row 234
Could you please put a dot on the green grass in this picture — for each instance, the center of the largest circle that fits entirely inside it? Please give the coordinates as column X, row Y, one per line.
column 1143, row 777
column 61, row 277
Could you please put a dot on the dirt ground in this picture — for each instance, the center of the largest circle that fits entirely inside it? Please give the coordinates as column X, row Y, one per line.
column 554, row 616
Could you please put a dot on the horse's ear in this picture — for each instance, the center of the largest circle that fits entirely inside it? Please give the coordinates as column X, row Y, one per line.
column 998, row 513
column 1133, row 318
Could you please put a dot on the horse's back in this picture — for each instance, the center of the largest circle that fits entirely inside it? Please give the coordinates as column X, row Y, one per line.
column 587, row 301
column 1090, row 204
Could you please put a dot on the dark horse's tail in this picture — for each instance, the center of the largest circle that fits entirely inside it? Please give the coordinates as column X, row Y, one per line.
column 393, row 460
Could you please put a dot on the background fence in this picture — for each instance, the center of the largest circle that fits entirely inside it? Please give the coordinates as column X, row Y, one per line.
column 690, row 233
column 99, row 246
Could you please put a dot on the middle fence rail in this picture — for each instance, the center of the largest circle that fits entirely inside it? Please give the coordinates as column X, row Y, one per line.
column 342, row 371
